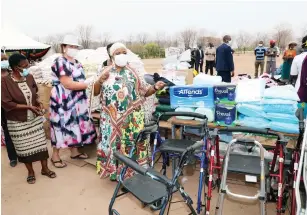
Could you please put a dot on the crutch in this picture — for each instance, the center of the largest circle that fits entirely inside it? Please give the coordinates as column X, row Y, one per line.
column 302, row 168
column 261, row 195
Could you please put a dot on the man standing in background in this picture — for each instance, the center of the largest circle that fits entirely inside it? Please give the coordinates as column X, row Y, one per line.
column 210, row 58
column 192, row 62
column 260, row 54
column 271, row 54
column 224, row 60
column 199, row 59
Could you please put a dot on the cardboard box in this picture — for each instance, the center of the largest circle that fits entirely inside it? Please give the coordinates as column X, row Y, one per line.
column 192, row 96
column 225, row 93
column 225, row 115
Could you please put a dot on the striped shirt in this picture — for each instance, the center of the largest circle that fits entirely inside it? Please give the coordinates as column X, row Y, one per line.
column 260, row 52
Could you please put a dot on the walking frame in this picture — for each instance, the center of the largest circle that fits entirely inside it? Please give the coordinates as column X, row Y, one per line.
column 238, row 162
column 148, row 185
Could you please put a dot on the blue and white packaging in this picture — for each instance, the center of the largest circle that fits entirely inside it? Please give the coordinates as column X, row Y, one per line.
column 192, row 96
column 225, row 115
column 224, row 93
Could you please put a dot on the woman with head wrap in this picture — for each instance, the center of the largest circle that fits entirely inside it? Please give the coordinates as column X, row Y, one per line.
column 123, row 91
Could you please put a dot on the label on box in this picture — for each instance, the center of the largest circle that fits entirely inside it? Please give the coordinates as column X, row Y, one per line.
column 225, row 115
column 225, row 93
column 190, row 96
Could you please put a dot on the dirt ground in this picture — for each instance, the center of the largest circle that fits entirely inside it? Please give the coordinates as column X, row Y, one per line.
column 79, row 191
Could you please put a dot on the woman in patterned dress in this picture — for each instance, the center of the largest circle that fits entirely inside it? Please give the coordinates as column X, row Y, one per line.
column 69, row 118
column 123, row 91
column 24, row 116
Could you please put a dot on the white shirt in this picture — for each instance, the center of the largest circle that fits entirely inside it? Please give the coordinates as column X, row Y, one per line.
column 200, row 53
column 296, row 68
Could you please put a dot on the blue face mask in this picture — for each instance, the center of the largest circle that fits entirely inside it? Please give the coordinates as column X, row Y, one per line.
column 4, row 64
column 24, row 73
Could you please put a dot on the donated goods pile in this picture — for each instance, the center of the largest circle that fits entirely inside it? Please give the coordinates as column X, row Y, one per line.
column 247, row 103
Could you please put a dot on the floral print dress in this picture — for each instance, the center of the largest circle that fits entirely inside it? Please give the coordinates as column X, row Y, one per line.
column 69, row 118
column 122, row 118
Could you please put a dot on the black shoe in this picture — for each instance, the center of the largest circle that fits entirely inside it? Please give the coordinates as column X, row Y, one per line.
column 13, row 163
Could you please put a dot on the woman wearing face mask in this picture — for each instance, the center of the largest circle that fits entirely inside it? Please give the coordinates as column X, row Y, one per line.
column 24, row 116
column 69, row 118
column 123, row 91
column 288, row 57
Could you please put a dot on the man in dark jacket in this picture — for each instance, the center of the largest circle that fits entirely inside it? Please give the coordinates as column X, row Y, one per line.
column 199, row 59
column 224, row 60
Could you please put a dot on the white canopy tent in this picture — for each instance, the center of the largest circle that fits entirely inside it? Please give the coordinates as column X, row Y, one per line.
column 14, row 40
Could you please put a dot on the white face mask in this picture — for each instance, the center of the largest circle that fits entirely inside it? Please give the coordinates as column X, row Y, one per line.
column 121, row 60
column 72, row 52
column 260, row 44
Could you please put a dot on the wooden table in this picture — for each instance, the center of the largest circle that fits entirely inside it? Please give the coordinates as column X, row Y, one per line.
column 169, row 125
column 194, row 123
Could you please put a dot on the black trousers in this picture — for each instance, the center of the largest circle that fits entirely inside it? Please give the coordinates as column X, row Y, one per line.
column 192, row 63
column 209, row 66
column 11, row 152
column 226, row 76
column 199, row 64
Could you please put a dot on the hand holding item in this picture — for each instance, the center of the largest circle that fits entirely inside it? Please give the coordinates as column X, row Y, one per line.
column 36, row 110
column 104, row 76
column 159, row 85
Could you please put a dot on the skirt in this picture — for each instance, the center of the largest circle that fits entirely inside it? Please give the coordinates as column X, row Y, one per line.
column 29, row 139
column 285, row 75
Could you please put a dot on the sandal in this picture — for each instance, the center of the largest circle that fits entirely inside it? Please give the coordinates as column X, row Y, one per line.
column 59, row 161
column 49, row 174
column 31, row 179
column 78, row 157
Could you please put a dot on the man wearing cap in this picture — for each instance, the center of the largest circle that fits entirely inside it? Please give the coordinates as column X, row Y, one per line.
column 224, row 60
column 260, row 55
column 271, row 54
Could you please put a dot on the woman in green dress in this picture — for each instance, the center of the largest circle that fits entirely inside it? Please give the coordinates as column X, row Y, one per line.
column 123, row 91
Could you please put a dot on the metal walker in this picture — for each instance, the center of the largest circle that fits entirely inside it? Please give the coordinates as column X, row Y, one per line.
column 261, row 195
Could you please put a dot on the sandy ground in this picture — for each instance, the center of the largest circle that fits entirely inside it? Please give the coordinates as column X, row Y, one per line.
column 78, row 190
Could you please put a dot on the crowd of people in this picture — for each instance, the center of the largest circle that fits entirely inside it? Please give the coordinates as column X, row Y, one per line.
column 122, row 90
column 221, row 58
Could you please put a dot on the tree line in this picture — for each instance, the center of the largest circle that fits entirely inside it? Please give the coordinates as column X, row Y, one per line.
column 152, row 46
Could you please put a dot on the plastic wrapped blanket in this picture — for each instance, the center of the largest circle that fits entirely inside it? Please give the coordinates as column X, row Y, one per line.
column 284, row 127
column 279, row 106
column 281, row 117
column 286, row 92
column 250, row 110
column 250, row 90
column 254, row 122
